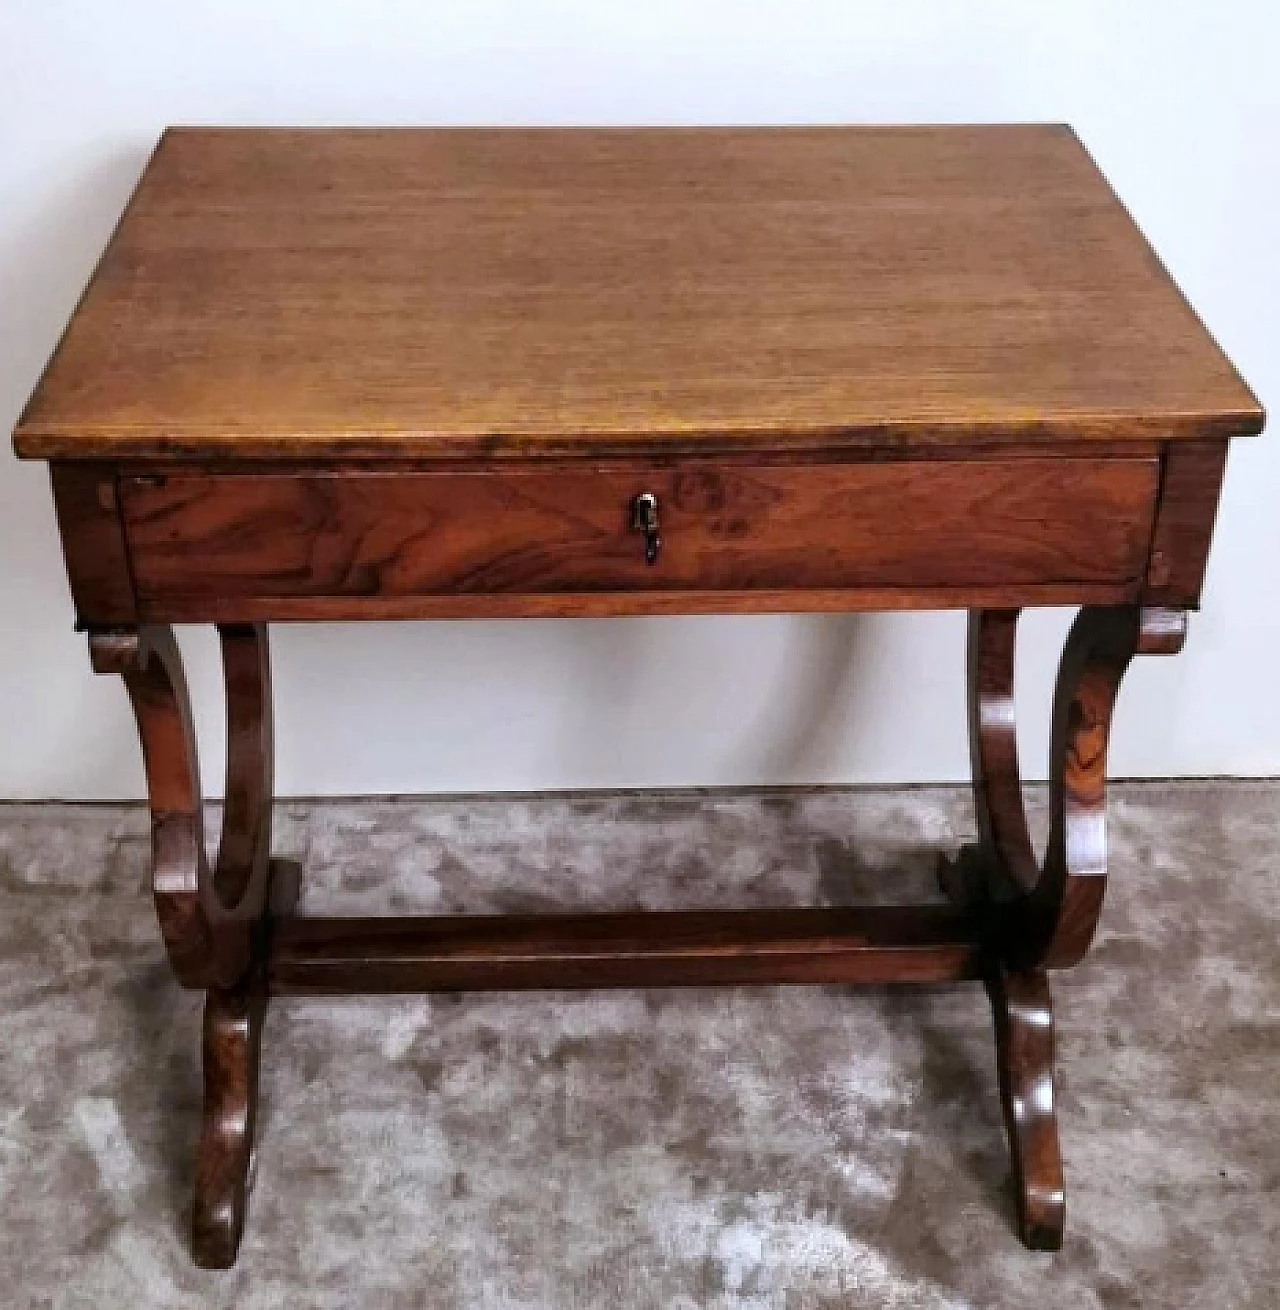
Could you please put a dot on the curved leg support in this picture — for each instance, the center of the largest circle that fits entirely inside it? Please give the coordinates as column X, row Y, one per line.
column 208, row 918
column 1002, row 864
column 213, row 920
column 1042, row 916
column 1054, row 926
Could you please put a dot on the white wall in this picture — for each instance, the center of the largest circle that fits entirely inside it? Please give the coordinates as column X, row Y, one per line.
column 1178, row 102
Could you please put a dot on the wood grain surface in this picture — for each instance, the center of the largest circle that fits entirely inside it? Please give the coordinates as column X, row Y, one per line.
column 434, row 293
column 93, row 544
column 516, row 532
column 1189, row 490
column 1022, row 1007
column 210, row 914
column 693, row 948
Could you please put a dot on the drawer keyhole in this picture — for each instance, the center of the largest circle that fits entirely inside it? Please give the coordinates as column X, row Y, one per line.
column 644, row 518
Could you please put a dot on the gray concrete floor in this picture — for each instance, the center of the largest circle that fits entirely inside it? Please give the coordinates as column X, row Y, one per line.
column 784, row 1148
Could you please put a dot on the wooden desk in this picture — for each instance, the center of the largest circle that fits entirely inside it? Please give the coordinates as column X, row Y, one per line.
column 419, row 374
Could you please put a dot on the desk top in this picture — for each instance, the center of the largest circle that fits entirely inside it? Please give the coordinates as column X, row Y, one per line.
column 439, row 293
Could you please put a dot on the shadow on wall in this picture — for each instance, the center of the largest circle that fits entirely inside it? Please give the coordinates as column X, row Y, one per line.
column 553, row 704
column 797, row 733
column 796, row 675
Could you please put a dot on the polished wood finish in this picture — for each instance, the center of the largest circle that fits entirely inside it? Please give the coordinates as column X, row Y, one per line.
column 358, row 375
column 214, row 921
column 500, row 293
column 869, row 944
column 1055, row 927
column 1189, row 491
column 233, row 1019
column 1052, row 906
column 625, row 604
column 1042, row 915
column 993, row 750
column 88, row 498
column 208, row 918
column 810, row 527
column 1023, row 1011
column 89, row 522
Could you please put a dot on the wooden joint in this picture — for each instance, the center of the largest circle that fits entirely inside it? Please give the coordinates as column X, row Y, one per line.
column 1045, row 913
column 116, row 650
column 1161, row 631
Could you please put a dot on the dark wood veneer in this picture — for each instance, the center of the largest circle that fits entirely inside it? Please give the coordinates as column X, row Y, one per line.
column 87, row 505
column 873, row 944
column 209, row 919
column 782, row 528
column 1189, row 492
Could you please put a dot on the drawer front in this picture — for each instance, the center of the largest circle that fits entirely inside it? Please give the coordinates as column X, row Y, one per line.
column 724, row 528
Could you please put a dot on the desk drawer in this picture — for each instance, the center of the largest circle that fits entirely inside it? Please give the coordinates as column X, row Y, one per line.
column 568, row 531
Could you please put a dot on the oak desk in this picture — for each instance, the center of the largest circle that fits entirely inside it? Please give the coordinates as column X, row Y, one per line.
column 418, row 374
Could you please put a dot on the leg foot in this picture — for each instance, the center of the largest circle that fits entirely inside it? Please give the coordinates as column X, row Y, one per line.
column 233, row 1018
column 1023, row 1012
column 232, row 1038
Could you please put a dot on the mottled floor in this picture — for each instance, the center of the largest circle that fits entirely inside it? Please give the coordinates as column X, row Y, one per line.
column 780, row 1149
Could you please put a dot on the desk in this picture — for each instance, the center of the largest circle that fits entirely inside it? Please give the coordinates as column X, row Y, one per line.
column 424, row 374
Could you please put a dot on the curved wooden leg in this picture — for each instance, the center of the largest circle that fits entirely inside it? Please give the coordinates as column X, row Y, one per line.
column 1045, row 915
column 1023, row 1013
column 1053, row 925
column 1041, row 917
column 209, row 918
column 232, row 1042
column 1002, row 863
column 214, row 921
